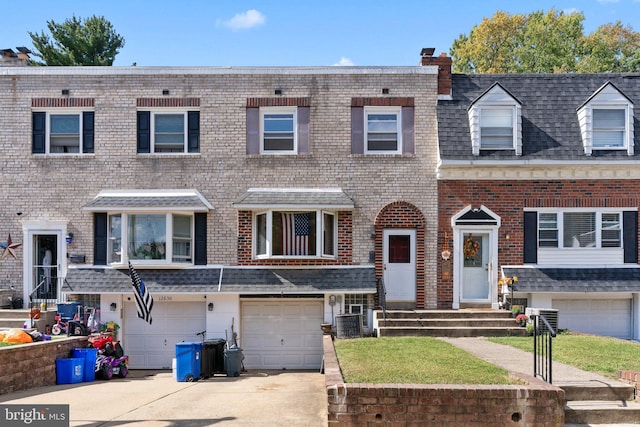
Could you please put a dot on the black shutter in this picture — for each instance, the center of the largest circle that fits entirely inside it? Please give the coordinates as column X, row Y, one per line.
column 200, row 238
column 407, row 130
column 253, row 130
column 357, row 130
column 194, row 131
column 100, row 238
column 303, row 130
column 87, row 132
column 530, row 237
column 630, row 236
column 144, row 132
column 39, row 132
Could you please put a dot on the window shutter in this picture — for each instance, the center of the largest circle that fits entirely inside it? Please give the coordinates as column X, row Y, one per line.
column 630, row 236
column 357, row 130
column 303, row 130
column 200, row 238
column 100, row 238
column 87, row 132
column 194, row 131
column 253, row 131
column 39, row 131
column 530, row 238
column 407, row 130
column 144, row 132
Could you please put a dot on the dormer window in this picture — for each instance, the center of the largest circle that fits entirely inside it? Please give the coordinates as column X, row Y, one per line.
column 606, row 121
column 495, row 122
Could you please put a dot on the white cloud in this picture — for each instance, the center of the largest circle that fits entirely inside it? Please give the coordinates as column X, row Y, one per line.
column 243, row 21
column 344, row 62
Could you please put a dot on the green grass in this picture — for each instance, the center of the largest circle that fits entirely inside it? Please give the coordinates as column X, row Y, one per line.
column 412, row 360
column 591, row 353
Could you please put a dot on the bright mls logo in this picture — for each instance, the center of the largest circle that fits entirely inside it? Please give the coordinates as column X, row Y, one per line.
column 34, row 415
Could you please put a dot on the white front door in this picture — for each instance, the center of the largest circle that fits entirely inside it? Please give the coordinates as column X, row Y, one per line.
column 475, row 268
column 399, row 264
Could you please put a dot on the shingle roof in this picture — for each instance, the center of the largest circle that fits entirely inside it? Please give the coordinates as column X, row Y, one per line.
column 234, row 280
column 550, row 128
column 148, row 200
column 589, row 280
column 308, row 198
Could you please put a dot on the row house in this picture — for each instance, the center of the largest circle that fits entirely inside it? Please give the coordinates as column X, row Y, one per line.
column 538, row 179
column 263, row 201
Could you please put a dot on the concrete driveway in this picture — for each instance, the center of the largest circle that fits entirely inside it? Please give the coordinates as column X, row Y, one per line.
column 154, row 398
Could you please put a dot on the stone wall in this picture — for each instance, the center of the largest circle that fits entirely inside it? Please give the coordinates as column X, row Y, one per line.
column 532, row 403
column 26, row 366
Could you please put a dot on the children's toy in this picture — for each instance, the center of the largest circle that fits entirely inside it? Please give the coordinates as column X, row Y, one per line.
column 111, row 359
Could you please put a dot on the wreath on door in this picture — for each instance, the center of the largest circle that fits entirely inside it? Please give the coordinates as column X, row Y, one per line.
column 470, row 247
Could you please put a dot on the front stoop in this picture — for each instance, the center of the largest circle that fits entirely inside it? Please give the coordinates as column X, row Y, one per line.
column 589, row 412
column 447, row 323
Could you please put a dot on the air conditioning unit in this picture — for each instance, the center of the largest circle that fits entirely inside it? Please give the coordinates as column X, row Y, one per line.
column 551, row 314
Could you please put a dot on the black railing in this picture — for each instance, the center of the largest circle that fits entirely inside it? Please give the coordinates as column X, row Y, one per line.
column 543, row 334
column 382, row 297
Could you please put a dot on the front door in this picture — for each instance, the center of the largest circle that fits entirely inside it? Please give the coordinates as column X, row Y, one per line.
column 399, row 263
column 475, row 268
column 45, row 266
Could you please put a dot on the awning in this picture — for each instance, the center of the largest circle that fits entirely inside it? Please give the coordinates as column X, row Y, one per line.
column 531, row 279
column 332, row 198
column 235, row 280
column 148, row 200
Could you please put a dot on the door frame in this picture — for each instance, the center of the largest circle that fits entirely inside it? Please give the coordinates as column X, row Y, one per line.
column 412, row 233
column 462, row 225
column 30, row 229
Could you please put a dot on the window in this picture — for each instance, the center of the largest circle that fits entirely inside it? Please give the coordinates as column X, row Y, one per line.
column 292, row 234
column 145, row 237
column 279, row 131
column 581, row 229
column 496, row 128
column 383, row 131
column 62, row 132
column 609, row 128
column 168, row 131
column 359, row 304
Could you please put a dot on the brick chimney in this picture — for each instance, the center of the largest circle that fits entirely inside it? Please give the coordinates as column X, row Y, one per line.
column 444, row 69
column 10, row 59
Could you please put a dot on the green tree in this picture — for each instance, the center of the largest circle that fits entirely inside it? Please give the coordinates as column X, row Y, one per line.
column 74, row 42
column 545, row 43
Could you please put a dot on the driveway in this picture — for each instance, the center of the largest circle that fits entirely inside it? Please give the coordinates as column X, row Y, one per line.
column 155, row 398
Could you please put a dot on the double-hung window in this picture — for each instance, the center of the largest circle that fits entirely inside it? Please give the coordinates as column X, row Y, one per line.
column 165, row 131
column 278, row 130
column 609, row 128
column 496, row 128
column 304, row 233
column 383, row 130
column 152, row 238
column 62, row 132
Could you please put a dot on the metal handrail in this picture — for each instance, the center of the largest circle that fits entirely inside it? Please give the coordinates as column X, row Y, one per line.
column 382, row 297
column 543, row 334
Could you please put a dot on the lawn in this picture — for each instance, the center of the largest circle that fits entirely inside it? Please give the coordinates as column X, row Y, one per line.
column 591, row 353
column 413, row 360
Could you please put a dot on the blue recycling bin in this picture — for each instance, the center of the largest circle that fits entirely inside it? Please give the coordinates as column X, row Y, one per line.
column 68, row 309
column 90, row 356
column 188, row 359
column 69, row 371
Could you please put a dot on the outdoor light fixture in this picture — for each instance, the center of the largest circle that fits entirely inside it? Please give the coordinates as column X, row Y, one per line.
column 69, row 238
column 210, row 306
column 113, row 306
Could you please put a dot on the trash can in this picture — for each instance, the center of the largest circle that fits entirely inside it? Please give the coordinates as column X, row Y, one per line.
column 212, row 357
column 69, row 371
column 233, row 358
column 188, row 356
column 89, row 355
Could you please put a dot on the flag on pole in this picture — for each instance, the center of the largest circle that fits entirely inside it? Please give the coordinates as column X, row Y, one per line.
column 295, row 233
column 144, row 300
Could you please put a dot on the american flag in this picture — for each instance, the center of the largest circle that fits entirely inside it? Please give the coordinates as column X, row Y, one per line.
column 295, row 233
column 144, row 300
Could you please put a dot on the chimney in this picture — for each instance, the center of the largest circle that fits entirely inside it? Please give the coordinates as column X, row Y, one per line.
column 11, row 59
column 444, row 69
column 23, row 53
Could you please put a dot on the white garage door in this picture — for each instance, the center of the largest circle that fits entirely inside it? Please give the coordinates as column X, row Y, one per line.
column 608, row 317
column 154, row 346
column 282, row 334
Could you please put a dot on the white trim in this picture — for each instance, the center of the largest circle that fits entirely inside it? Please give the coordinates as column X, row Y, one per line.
column 279, row 110
column 185, row 129
column 397, row 111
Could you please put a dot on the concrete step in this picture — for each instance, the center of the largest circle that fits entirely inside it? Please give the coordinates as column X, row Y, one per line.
column 602, row 412
column 443, row 314
column 14, row 314
column 456, row 323
column 452, row 332
column 608, row 392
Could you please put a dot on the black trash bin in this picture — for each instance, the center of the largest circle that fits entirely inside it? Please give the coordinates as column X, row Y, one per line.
column 233, row 358
column 212, row 361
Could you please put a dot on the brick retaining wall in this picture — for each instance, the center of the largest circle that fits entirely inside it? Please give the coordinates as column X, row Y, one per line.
column 26, row 366
column 532, row 403
column 631, row 377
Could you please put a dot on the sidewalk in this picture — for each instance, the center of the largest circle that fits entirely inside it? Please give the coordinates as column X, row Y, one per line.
column 520, row 361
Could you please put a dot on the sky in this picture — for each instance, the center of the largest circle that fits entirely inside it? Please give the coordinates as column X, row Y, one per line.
column 287, row 33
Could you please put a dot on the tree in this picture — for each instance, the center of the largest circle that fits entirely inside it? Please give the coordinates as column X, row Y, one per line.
column 92, row 42
column 545, row 43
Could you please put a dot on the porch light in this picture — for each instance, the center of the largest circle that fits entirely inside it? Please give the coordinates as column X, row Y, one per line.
column 210, row 306
column 113, row 306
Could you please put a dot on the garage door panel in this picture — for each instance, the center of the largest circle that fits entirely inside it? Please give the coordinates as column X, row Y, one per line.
column 608, row 317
